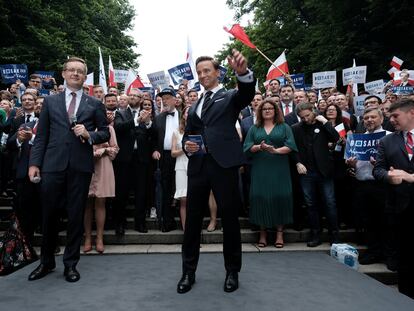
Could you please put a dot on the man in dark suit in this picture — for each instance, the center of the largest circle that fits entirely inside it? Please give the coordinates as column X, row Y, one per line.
column 132, row 128
column 286, row 99
column 316, row 167
column 247, row 122
column 164, row 125
column 395, row 166
column 216, row 166
column 62, row 155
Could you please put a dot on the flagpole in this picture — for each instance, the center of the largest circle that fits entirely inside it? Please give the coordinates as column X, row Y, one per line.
column 281, row 71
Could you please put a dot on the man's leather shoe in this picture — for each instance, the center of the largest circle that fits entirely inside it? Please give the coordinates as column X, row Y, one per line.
column 120, row 230
column 41, row 271
column 71, row 274
column 169, row 227
column 141, row 228
column 392, row 264
column 369, row 259
column 315, row 241
column 232, row 282
column 185, row 283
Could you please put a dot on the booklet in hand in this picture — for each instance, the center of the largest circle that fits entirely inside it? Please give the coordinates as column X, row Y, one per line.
column 198, row 139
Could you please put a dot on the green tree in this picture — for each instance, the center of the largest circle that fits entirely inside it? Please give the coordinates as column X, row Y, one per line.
column 321, row 35
column 42, row 33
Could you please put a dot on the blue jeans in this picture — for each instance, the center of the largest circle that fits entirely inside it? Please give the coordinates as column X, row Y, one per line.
column 311, row 183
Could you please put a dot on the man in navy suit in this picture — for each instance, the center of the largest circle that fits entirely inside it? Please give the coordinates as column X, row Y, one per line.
column 395, row 166
column 62, row 155
column 216, row 168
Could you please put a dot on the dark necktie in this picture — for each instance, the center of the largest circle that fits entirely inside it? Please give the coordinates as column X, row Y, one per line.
column 207, row 102
column 28, row 118
column 171, row 113
column 72, row 105
column 409, row 144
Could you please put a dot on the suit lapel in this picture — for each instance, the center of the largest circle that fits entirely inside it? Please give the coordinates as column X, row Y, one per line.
column 401, row 143
column 62, row 106
column 214, row 98
column 82, row 105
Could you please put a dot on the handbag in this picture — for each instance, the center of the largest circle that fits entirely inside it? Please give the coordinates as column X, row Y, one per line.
column 15, row 251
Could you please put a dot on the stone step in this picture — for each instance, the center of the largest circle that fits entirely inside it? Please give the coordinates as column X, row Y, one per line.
column 376, row 271
column 176, row 237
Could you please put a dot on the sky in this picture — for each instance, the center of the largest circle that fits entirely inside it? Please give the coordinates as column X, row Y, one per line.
column 161, row 28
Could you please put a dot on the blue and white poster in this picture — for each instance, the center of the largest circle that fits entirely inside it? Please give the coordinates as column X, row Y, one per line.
column 181, row 72
column 223, row 72
column 298, row 80
column 45, row 74
column 148, row 89
column 403, row 90
column 362, row 146
column 12, row 72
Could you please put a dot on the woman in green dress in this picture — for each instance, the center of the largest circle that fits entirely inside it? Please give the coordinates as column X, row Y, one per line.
column 268, row 144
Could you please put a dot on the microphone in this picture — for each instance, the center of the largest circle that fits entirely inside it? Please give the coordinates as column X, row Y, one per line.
column 73, row 122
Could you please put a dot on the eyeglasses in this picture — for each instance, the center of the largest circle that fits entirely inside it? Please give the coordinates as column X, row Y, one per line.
column 268, row 109
column 74, row 70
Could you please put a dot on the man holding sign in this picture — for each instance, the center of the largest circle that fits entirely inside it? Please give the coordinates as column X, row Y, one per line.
column 215, row 167
column 395, row 166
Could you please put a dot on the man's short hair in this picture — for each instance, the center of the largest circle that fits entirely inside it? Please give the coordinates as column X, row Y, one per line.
column 404, row 104
column 97, row 86
column 110, row 95
column 373, row 96
column 191, row 91
column 271, row 80
column 215, row 63
column 29, row 94
column 303, row 106
column 368, row 110
column 285, row 86
column 75, row 59
column 35, row 76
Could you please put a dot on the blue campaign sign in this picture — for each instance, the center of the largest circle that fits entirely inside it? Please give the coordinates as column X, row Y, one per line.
column 196, row 86
column 45, row 74
column 44, row 92
column 403, row 90
column 298, row 80
column 12, row 72
column 362, row 146
column 181, row 72
column 151, row 90
column 223, row 72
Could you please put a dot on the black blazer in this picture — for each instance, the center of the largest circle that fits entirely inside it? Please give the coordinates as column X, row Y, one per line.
column 246, row 112
column 323, row 159
column 127, row 134
column 291, row 118
column 386, row 125
column 56, row 146
column 158, row 131
column 218, row 127
column 392, row 152
column 245, row 126
column 23, row 152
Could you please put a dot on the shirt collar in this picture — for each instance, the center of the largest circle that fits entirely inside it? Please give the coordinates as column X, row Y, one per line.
column 79, row 93
column 214, row 90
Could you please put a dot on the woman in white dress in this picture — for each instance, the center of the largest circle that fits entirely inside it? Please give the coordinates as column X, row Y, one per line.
column 181, row 163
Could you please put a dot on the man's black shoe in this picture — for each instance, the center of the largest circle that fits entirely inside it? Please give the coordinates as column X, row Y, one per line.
column 314, row 242
column 41, row 271
column 231, row 282
column 185, row 283
column 391, row 264
column 335, row 237
column 120, row 230
column 169, row 227
column 142, row 227
column 71, row 274
column 369, row 259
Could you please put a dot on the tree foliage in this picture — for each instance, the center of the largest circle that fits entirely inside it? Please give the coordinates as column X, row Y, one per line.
column 321, row 35
column 43, row 33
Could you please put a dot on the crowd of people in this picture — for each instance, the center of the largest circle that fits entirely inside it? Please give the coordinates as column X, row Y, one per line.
column 293, row 170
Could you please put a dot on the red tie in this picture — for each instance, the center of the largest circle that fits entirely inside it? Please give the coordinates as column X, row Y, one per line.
column 287, row 110
column 72, row 105
column 409, row 144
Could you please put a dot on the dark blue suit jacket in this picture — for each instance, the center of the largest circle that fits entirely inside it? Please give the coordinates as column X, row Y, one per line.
column 56, row 147
column 392, row 152
column 245, row 126
column 218, row 127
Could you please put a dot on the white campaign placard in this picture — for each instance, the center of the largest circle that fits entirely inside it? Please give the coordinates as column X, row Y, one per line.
column 120, row 75
column 375, row 86
column 158, row 79
column 359, row 105
column 324, row 79
column 354, row 75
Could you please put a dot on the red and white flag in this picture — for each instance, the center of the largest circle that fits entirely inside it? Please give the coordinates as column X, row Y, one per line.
column 279, row 68
column 340, row 128
column 89, row 82
column 132, row 82
column 392, row 71
column 111, row 73
column 238, row 32
column 396, row 62
column 102, row 77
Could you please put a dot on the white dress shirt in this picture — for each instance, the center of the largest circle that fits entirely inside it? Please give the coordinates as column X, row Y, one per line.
column 171, row 125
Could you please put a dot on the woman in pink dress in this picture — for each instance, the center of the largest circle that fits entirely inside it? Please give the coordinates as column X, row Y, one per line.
column 102, row 186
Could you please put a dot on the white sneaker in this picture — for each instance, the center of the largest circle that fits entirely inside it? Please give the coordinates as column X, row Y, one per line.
column 153, row 213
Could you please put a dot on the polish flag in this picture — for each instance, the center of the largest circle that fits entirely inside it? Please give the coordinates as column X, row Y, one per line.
column 396, row 62
column 89, row 83
column 102, row 77
column 111, row 74
column 132, row 82
column 340, row 128
column 392, row 71
column 238, row 32
column 278, row 68
column 189, row 59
